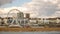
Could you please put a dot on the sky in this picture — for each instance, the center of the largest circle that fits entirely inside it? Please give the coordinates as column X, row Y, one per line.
column 36, row 8
column 15, row 3
column 44, row 8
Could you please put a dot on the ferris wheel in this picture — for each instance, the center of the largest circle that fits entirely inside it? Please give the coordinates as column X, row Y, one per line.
column 14, row 14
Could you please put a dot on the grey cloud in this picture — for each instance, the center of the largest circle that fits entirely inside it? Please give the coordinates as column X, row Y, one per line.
column 5, row 1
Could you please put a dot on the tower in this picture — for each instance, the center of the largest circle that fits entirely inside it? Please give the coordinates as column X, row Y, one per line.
column 20, row 15
column 27, row 15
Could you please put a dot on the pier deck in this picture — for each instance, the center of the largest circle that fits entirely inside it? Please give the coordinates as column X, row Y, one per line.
column 28, row 29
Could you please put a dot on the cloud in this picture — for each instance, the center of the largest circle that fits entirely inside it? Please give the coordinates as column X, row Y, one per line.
column 41, row 8
column 6, row 10
column 5, row 1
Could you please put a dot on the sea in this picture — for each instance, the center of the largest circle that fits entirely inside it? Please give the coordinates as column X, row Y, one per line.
column 50, row 32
